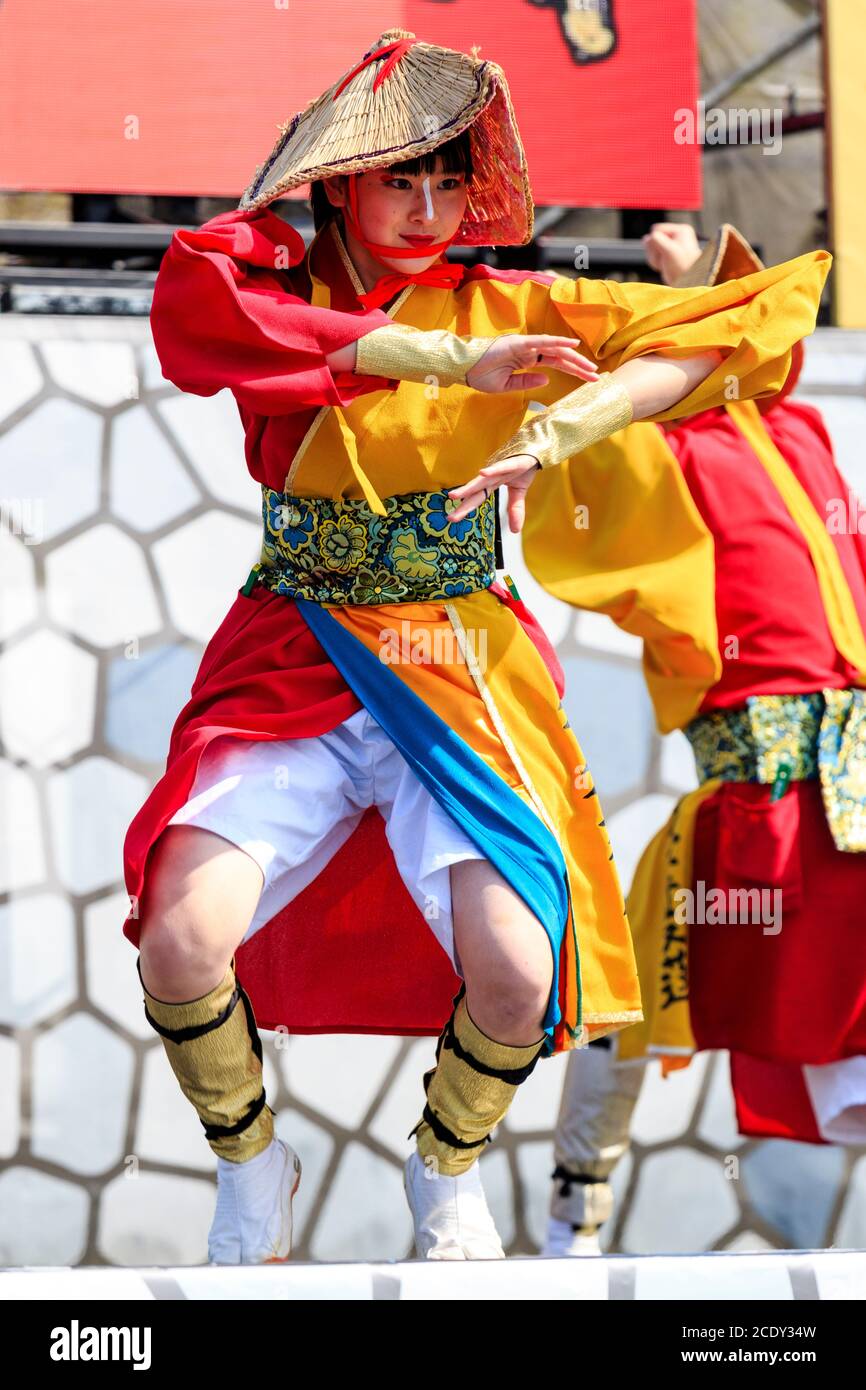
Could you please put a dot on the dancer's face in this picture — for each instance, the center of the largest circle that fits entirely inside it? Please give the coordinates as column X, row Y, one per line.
column 394, row 207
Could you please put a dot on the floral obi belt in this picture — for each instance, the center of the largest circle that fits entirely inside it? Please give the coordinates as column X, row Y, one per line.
column 339, row 551
column 781, row 738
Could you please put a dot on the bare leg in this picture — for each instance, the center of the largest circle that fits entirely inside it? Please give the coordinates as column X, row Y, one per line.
column 202, row 893
column 504, row 951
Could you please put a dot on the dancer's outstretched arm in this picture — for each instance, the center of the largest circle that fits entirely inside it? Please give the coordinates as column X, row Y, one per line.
column 223, row 316
column 492, row 364
column 636, row 390
column 754, row 320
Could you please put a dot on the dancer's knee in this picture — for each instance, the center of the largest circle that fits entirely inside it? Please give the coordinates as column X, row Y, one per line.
column 509, row 1007
column 199, row 898
column 505, row 953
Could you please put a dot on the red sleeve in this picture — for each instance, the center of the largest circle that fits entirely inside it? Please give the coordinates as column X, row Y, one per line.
column 222, row 317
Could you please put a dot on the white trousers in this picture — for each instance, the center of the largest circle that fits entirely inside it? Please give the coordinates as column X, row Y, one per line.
column 291, row 803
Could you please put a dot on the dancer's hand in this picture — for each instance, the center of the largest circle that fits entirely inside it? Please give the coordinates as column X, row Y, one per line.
column 671, row 248
column 504, row 365
column 517, row 473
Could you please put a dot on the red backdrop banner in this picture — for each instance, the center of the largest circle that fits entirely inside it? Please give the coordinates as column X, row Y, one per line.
column 173, row 97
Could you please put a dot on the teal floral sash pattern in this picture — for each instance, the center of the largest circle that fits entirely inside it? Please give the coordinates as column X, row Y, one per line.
column 781, row 738
column 748, row 745
column 339, row 551
column 842, row 765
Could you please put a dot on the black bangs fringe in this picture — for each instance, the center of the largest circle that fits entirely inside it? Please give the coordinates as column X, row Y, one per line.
column 456, row 156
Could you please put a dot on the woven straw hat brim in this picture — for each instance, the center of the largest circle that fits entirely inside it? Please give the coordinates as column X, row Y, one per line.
column 430, row 96
column 728, row 256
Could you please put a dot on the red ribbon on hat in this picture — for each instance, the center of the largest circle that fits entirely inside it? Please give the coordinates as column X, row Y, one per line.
column 396, row 49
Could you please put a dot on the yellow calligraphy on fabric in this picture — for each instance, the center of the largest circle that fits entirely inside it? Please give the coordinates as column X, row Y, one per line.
column 661, row 940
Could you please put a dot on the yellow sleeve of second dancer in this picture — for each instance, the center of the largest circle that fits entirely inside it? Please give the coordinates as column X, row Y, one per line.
column 754, row 321
column 615, row 530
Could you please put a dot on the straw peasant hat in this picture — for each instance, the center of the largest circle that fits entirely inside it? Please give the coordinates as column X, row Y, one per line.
column 728, row 256
column 404, row 98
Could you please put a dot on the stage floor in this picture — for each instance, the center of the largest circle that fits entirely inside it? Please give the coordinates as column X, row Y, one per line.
column 787, row 1275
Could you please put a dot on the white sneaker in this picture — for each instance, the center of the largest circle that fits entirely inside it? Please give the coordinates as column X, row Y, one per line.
column 252, row 1224
column 451, row 1217
column 564, row 1241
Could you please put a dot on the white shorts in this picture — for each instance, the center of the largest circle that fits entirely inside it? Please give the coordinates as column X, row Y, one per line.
column 291, row 803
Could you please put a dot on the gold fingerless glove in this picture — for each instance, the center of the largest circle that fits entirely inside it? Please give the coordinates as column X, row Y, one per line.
column 583, row 417
column 398, row 350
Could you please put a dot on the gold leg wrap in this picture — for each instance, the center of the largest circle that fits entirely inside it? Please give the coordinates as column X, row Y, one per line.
column 215, row 1052
column 468, row 1091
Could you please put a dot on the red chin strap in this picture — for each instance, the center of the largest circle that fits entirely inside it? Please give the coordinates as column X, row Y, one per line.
column 353, row 219
column 444, row 274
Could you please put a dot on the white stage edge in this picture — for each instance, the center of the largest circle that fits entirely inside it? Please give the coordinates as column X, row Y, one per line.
column 787, row 1275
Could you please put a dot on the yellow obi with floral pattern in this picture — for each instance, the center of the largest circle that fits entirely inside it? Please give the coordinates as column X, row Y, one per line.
column 782, row 738
column 339, row 551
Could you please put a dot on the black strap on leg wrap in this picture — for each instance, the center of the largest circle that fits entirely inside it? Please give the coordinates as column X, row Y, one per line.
column 567, row 1178
column 222, row 1131
column 513, row 1076
column 446, row 1135
column 181, row 1035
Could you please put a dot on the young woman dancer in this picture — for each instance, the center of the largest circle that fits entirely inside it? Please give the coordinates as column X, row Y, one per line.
column 373, row 797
